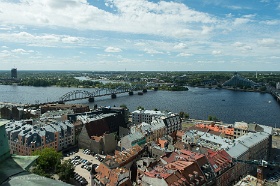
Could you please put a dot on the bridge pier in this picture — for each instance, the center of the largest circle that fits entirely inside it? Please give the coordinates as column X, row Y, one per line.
column 91, row 99
column 130, row 93
column 144, row 90
column 113, row 95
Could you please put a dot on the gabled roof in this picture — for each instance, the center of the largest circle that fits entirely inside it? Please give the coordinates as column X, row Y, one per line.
column 176, row 179
column 219, row 160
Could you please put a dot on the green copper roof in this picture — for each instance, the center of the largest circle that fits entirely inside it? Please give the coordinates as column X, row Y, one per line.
column 13, row 171
column 28, row 179
column 14, row 165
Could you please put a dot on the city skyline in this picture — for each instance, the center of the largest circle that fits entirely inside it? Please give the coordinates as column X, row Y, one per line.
column 117, row 35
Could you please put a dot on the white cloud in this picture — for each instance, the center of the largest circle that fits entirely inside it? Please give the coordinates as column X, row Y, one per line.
column 238, row 44
column 268, row 42
column 216, row 52
column 238, row 7
column 242, row 46
column 206, row 30
column 247, row 48
column 239, row 21
column 46, row 40
column 264, row 1
column 21, row 51
column 271, row 22
column 162, row 18
column 244, row 19
column 180, row 46
column 184, row 54
column 112, row 49
column 275, row 57
column 140, row 44
column 152, row 51
column 70, row 39
column 5, row 47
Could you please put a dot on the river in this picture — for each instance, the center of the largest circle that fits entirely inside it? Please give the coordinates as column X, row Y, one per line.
column 228, row 106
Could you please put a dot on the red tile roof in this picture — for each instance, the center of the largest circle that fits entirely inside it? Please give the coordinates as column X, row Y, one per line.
column 218, row 159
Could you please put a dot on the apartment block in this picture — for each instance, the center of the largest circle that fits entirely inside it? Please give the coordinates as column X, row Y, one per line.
column 171, row 120
column 25, row 138
column 222, row 164
column 152, row 132
column 139, row 116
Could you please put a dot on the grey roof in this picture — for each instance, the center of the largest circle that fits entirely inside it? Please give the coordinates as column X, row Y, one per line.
column 157, row 124
column 133, row 137
column 237, row 150
column 267, row 129
column 34, row 133
column 251, row 139
column 93, row 117
column 245, row 142
column 216, row 142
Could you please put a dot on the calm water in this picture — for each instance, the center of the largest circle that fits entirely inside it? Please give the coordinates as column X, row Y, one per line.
column 228, row 106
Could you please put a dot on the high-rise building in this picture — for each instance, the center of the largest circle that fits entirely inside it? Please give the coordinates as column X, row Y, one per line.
column 14, row 73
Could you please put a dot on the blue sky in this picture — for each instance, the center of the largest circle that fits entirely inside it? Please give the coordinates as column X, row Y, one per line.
column 140, row 35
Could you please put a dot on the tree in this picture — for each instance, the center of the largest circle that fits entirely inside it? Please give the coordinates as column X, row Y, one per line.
column 140, row 108
column 123, row 106
column 212, row 118
column 155, row 109
column 181, row 114
column 66, row 171
column 48, row 161
column 263, row 88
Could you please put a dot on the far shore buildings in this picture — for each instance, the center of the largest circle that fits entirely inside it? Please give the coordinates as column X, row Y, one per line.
column 278, row 85
column 237, row 81
column 25, row 138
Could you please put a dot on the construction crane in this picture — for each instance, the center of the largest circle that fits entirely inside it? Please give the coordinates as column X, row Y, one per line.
column 261, row 164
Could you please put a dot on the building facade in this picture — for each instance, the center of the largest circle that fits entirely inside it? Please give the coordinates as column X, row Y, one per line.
column 14, row 73
column 25, row 138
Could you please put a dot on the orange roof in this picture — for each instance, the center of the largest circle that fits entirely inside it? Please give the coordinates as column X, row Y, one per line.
column 162, row 142
column 178, row 165
column 179, row 133
column 217, row 128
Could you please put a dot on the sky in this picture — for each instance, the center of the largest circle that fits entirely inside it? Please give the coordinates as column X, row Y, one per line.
column 140, row 35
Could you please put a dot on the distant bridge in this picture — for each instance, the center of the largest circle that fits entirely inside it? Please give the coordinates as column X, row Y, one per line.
column 276, row 93
column 83, row 94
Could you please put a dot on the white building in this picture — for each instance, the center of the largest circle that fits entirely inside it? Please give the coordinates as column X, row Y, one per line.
column 171, row 120
column 278, row 85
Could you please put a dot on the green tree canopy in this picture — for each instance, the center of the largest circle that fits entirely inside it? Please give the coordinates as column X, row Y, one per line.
column 140, row 108
column 66, row 171
column 47, row 162
column 123, row 106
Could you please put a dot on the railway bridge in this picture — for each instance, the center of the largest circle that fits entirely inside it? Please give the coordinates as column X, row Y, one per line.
column 84, row 94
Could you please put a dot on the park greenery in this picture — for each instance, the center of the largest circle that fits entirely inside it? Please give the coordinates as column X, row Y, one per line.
column 49, row 163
